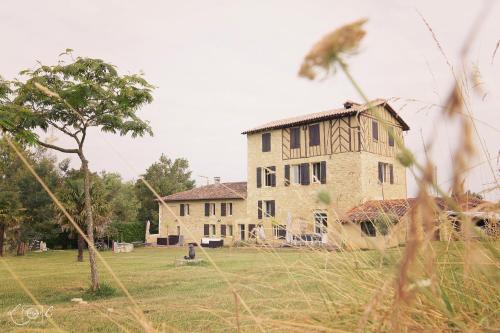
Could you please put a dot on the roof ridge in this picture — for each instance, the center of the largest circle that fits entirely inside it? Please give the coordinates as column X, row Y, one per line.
column 227, row 190
column 324, row 115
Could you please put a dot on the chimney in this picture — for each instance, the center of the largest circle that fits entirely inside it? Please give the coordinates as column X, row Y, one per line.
column 216, row 180
column 348, row 105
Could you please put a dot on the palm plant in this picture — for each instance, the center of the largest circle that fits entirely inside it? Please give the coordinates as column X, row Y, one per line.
column 72, row 195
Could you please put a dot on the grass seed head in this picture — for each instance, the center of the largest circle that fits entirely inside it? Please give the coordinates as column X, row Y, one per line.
column 325, row 53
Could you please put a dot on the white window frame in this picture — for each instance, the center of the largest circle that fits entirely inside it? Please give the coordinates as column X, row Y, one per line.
column 277, row 227
column 266, row 203
column 386, row 173
column 320, row 216
column 295, row 173
column 211, row 210
column 213, row 230
column 268, row 176
column 316, row 178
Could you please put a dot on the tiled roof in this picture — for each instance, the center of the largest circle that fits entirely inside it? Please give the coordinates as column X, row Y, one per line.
column 325, row 115
column 372, row 209
column 235, row 190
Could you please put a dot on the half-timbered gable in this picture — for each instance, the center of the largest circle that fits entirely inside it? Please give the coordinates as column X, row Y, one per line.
column 355, row 127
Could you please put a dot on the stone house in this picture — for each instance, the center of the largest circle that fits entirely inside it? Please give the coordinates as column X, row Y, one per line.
column 303, row 175
column 207, row 211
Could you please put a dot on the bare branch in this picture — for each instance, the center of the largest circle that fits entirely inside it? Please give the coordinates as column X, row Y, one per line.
column 65, row 131
column 63, row 150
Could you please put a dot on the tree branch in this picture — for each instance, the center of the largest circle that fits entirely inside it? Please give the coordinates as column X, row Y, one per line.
column 63, row 150
column 65, row 131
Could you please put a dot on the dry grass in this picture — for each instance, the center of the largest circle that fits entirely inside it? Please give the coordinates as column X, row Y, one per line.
column 287, row 290
column 426, row 286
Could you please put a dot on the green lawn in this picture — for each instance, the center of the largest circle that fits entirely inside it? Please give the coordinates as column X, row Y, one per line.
column 283, row 290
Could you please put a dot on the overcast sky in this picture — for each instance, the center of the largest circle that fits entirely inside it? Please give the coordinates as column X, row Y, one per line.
column 225, row 66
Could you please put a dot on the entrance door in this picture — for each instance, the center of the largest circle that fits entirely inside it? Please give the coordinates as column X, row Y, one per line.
column 242, row 231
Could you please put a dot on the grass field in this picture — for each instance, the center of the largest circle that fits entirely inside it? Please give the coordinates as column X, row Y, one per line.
column 284, row 289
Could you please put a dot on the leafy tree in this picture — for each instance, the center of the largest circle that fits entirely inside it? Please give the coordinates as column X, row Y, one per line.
column 166, row 177
column 11, row 208
column 40, row 212
column 72, row 98
column 72, row 195
column 125, row 207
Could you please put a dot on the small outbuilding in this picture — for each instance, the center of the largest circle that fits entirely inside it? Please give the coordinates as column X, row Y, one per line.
column 379, row 224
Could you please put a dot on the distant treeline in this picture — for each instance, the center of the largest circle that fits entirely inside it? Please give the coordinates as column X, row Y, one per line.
column 120, row 208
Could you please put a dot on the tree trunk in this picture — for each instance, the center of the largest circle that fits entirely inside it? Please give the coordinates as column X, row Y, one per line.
column 21, row 249
column 94, row 276
column 81, row 244
column 2, row 237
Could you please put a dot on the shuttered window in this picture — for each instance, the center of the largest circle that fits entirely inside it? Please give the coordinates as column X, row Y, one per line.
column 375, row 130
column 380, row 172
column 206, row 229
column 266, row 142
column 314, row 135
column 295, row 137
column 270, row 176
column 226, row 209
column 270, row 209
column 242, row 231
column 259, row 177
column 319, row 172
column 259, row 210
column 223, row 230
column 184, row 209
column 304, row 174
column 209, row 209
column 323, row 172
column 287, row 175
column 385, row 173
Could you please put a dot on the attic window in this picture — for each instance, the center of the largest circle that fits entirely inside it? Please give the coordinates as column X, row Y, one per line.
column 295, row 137
column 348, row 105
column 375, row 130
column 314, row 135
